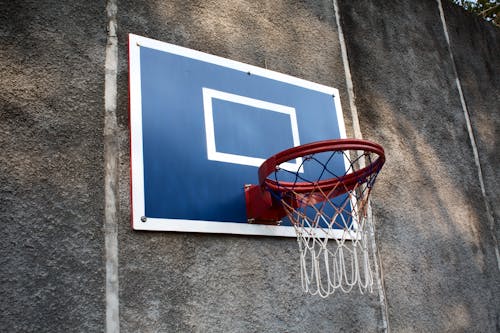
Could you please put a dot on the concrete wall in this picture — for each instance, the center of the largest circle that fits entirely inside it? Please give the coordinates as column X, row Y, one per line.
column 436, row 247
column 51, row 166
column 436, row 225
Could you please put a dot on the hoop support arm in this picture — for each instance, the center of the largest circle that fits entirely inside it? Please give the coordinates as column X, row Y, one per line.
column 262, row 208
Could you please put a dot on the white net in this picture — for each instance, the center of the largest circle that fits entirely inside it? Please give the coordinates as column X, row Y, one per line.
column 330, row 221
column 334, row 250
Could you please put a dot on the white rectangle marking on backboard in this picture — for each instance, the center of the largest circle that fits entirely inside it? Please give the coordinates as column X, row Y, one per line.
column 214, row 155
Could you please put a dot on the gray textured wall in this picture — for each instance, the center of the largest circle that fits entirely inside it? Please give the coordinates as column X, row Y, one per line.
column 51, row 166
column 437, row 251
column 436, row 241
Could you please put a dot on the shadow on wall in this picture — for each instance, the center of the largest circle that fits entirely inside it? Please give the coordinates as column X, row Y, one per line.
column 271, row 35
column 435, row 245
column 51, row 165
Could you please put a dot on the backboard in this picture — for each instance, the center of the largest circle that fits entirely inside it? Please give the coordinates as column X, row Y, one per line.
column 201, row 125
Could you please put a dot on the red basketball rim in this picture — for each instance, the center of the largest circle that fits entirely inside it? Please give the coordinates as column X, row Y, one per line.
column 343, row 183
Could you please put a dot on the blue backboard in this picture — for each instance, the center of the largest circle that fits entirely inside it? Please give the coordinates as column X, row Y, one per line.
column 201, row 125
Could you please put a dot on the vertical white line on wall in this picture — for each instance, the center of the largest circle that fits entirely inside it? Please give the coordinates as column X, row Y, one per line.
column 357, row 134
column 111, row 150
column 348, row 77
column 472, row 138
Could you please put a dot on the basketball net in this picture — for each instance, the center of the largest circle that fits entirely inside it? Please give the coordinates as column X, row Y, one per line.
column 331, row 224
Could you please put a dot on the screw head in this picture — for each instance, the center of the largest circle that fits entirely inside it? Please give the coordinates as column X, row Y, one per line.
column 144, row 218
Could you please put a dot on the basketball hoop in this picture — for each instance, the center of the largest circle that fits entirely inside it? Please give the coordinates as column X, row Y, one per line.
column 325, row 199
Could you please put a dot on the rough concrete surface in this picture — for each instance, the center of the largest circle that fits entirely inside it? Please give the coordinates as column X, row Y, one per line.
column 437, row 253
column 436, row 244
column 51, row 166
column 476, row 48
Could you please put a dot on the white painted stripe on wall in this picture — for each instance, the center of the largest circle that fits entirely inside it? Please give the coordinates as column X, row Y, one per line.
column 472, row 138
column 111, row 151
column 377, row 263
column 348, row 77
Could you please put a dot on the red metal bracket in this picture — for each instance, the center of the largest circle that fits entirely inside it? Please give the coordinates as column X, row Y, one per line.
column 262, row 208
